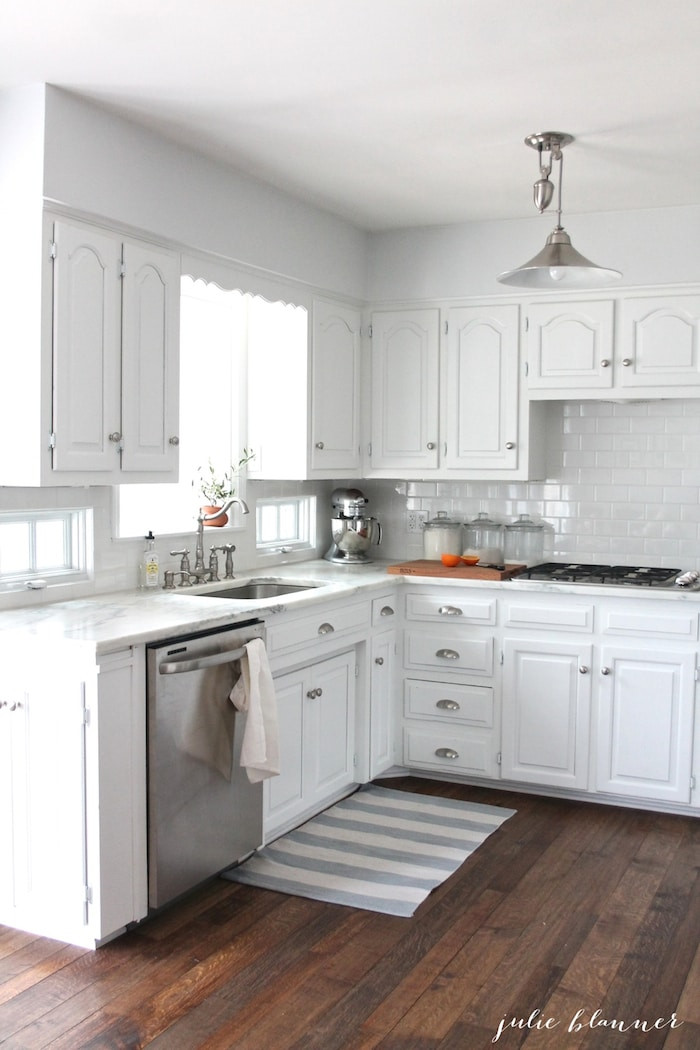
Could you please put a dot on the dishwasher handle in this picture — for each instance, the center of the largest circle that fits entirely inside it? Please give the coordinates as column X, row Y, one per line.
column 201, row 663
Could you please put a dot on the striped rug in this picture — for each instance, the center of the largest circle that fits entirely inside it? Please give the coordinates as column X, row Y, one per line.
column 378, row 849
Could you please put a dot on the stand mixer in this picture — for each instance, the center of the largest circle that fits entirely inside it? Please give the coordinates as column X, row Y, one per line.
column 352, row 530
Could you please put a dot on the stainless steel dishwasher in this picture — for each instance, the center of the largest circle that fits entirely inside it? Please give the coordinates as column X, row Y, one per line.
column 203, row 813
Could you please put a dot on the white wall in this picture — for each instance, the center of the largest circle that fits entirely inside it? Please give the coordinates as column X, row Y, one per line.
column 658, row 246
column 101, row 163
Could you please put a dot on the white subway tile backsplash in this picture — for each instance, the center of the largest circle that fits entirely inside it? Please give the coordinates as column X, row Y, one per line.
column 623, row 484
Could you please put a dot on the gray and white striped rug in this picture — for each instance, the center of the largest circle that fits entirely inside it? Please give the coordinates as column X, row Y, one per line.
column 378, row 849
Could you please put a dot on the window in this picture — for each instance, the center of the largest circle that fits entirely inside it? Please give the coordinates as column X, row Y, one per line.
column 286, row 523
column 212, row 409
column 50, row 544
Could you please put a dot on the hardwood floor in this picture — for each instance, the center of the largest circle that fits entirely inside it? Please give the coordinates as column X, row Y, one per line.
column 586, row 913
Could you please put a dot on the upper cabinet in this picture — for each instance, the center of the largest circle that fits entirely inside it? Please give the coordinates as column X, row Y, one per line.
column 304, row 396
column 115, row 357
column 569, row 345
column 404, row 391
column 447, row 398
column 95, row 382
column 607, row 348
column 335, row 388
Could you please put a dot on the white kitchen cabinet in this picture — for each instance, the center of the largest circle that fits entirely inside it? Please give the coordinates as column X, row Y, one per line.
column 316, row 712
column 72, row 811
column 404, row 390
column 645, row 722
column 116, row 305
column 659, row 342
column 382, row 687
column 451, row 711
column 546, row 711
column 304, row 398
column 447, row 398
column 335, row 390
column 569, row 345
column 481, row 391
column 614, row 348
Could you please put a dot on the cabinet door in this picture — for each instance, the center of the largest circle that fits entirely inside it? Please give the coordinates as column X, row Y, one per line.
column 481, row 389
column 660, row 341
column 329, row 728
column 44, row 887
column 335, row 388
column 645, row 723
column 382, row 699
column 546, row 712
column 405, row 351
column 86, row 350
column 570, row 345
column 284, row 794
column 150, row 360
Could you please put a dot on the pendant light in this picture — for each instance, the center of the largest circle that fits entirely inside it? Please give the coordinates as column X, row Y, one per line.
column 558, row 265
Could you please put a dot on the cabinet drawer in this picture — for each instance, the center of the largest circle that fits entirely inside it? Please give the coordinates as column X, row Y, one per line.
column 663, row 622
column 325, row 626
column 449, row 652
column 452, row 750
column 557, row 616
column 449, row 702
column 455, row 607
column 384, row 611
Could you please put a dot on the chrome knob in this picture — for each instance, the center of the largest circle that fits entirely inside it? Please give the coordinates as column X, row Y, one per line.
column 379, row 660
column 319, row 444
column 626, row 361
column 174, row 440
column 605, row 670
column 583, row 669
column 605, row 363
column 430, row 445
column 115, row 436
column 510, row 444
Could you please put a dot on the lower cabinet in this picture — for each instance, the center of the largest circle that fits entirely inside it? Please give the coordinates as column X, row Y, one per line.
column 381, row 703
column 645, row 723
column 449, row 726
column 316, row 713
column 72, row 794
column 546, row 712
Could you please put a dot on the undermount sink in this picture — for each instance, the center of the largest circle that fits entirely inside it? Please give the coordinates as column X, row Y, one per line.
column 258, row 589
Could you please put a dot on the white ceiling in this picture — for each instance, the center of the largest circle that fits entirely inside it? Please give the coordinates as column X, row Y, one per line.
column 394, row 112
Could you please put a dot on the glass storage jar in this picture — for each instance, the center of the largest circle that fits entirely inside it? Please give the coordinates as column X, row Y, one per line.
column 524, row 541
column 441, row 535
column 484, row 537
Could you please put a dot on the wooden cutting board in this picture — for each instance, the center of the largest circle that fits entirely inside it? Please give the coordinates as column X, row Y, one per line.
column 424, row 567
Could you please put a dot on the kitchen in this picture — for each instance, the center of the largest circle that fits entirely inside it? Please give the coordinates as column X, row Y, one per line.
column 619, row 472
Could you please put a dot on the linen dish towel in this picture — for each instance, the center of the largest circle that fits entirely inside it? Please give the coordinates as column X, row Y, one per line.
column 207, row 733
column 254, row 693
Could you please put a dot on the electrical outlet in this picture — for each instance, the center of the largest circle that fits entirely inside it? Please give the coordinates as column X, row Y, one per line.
column 415, row 520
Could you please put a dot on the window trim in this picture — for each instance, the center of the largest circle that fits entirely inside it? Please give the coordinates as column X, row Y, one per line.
column 77, row 548
column 306, row 527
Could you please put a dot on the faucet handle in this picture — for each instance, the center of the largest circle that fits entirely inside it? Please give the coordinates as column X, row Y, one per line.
column 227, row 549
column 184, row 559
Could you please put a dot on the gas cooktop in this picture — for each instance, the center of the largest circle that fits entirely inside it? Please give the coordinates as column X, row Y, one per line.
column 616, row 575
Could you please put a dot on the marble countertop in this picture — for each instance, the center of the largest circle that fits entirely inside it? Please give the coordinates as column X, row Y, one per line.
column 116, row 620
column 113, row 621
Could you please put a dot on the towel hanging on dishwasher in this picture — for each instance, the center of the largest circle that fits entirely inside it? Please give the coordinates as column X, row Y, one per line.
column 254, row 693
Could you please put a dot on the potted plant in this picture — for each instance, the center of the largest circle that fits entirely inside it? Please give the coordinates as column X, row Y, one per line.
column 216, row 487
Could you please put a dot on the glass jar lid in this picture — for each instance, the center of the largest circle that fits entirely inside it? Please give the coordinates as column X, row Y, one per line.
column 523, row 523
column 441, row 520
column 482, row 518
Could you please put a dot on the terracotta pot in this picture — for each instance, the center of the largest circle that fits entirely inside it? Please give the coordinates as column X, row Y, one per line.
column 222, row 519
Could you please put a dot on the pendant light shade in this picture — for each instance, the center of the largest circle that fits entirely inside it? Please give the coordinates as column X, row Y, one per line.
column 558, row 265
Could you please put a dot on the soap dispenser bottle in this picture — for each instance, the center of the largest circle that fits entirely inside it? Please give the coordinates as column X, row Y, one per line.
column 150, row 569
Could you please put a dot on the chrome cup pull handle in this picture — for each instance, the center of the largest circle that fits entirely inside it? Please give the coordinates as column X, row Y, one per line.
column 449, row 610
column 446, row 752
column 447, row 705
column 447, row 654
column 326, row 628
